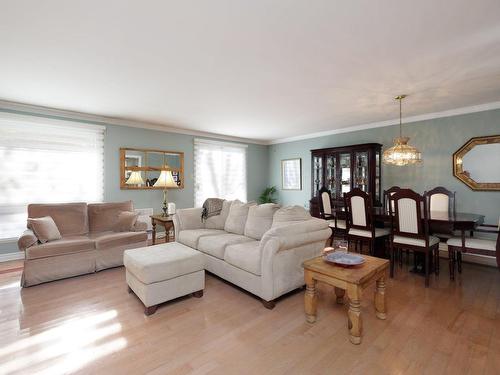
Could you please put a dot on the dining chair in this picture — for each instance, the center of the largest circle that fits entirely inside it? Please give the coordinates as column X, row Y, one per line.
column 360, row 224
column 479, row 246
column 410, row 230
column 326, row 212
column 387, row 195
column 440, row 201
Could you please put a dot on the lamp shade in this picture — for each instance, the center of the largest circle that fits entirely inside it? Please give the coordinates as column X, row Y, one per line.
column 166, row 180
column 135, row 179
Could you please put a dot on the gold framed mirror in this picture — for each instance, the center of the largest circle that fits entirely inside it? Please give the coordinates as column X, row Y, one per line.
column 476, row 163
column 141, row 168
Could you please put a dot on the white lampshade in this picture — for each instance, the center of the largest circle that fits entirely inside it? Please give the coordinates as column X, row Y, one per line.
column 135, row 179
column 166, row 180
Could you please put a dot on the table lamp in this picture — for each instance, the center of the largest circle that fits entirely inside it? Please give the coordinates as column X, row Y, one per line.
column 135, row 179
column 166, row 180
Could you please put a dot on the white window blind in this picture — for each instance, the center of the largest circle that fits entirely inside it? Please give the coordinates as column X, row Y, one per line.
column 219, row 171
column 46, row 161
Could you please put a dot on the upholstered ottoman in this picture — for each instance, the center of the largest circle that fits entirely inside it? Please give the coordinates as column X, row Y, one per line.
column 163, row 272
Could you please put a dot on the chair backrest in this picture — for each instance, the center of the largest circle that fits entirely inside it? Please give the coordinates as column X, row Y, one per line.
column 409, row 212
column 440, row 199
column 358, row 205
column 325, row 202
column 387, row 194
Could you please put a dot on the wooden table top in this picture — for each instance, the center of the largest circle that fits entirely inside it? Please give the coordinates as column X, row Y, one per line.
column 162, row 218
column 353, row 275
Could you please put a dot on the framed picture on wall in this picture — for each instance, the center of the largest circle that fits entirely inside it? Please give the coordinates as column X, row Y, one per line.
column 291, row 174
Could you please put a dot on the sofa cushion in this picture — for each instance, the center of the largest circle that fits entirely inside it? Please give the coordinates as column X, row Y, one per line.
column 44, row 228
column 66, row 245
column 216, row 245
column 289, row 215
column 190, row 237
column 104, row 216
column 245, row 256
column 71, row 218
column 126, row 221
column 237, row 218
column 260, row 220
column 162, row 262
column 218, row 221
column 108, row 240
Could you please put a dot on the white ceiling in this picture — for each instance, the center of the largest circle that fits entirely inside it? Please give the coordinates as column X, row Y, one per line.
column 262, row 70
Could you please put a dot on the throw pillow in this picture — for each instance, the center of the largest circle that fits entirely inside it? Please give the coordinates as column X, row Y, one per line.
column 235, row 222
column 218, row 221
column 126, row 221
column 45, row 228
column 260, row 219
column 290, row 214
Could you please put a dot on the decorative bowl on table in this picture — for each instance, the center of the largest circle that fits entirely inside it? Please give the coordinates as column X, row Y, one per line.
column 344, row 259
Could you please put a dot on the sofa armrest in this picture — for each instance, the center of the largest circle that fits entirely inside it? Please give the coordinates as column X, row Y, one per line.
column 140, row 226
column 188, row 218
column 298, row 234
column 27, row 239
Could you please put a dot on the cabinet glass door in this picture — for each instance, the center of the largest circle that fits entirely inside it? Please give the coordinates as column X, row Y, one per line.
column 331, row 175
column 361, row 176
column 345, row 172
column 317, row 174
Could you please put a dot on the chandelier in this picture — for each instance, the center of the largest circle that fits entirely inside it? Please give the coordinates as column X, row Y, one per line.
column 401, row 153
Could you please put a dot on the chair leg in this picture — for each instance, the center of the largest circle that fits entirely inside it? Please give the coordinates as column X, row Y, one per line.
column 400, row 258
column 407, row 257
column 391, row 259
column 427, row 269
column 436, row 261
column 459, row 261
column 372, row 247
column 451, row 255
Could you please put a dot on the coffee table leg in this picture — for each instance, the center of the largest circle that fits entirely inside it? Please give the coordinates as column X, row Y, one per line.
column 355, row 323
column 340, row 295
column 380, row 308
column 310, row 298
column 154, row 232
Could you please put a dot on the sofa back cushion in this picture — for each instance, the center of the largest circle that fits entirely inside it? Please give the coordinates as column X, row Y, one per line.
column 218, row 221
column 104, row 216
column 290, row 214
column 71, row 218
column 260, row 220
column 237, row 218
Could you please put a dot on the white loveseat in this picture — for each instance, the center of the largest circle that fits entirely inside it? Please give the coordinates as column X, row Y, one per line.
column 259, row 248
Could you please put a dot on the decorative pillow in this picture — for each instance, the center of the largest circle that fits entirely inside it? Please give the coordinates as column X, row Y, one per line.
column 290, row 214
column 218, row 221
column 45, row 228
column 235, row 222
column 126, row 221
column 260, row 219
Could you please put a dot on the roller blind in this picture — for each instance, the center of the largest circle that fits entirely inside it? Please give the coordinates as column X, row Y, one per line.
column 46, row 161
column 219, row 171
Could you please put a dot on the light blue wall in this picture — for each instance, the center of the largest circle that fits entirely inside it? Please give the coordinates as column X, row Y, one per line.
column 437, row 139
column 122, row 136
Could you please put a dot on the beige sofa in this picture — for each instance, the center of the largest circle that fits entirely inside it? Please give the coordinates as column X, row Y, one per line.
column 88, row 243
column 259, row 248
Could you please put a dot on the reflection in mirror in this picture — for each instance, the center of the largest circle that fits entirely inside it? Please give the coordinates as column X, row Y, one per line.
column 475, row 164
column 140, row 169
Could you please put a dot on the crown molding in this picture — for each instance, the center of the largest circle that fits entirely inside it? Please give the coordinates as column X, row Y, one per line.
column 380, row 124
column 23, row 108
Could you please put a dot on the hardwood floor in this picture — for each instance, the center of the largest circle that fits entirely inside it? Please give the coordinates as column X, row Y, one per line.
column 90, row 324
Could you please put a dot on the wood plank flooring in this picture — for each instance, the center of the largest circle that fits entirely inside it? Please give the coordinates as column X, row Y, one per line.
column 91, row 325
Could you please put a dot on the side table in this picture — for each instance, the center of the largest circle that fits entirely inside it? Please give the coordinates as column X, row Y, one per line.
column 166, row 221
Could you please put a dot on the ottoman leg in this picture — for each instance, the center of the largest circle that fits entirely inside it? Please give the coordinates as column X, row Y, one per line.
column 150, row 310
column 198, row 294
column 129, row 289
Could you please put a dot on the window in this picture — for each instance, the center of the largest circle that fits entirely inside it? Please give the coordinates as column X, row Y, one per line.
column 219, row 171
column 44, row 160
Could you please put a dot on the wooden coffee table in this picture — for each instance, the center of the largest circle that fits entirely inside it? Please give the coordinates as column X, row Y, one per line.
column 353, row 280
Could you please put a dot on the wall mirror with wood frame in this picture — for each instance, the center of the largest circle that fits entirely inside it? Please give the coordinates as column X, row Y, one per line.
column 140, row 168
column 476, row 163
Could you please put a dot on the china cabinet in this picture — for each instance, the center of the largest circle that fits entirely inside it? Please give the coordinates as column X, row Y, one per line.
column 341, row 169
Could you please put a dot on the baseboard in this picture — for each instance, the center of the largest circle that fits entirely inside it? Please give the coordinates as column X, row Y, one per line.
column 11, row 256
